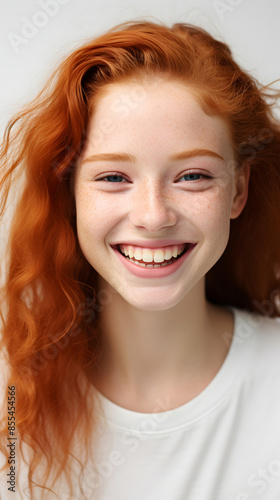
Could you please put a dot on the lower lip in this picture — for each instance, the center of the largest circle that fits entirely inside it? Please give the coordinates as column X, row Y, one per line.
column 158, row 272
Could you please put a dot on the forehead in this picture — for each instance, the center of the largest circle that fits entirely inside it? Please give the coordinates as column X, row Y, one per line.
column 160, row 114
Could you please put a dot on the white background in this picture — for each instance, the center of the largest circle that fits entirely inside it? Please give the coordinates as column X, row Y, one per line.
column 45, row 30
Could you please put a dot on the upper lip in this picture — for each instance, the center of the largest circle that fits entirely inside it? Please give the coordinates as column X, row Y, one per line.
column 153, row 243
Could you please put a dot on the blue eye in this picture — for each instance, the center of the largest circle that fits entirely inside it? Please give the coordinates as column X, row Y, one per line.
column 193, row 174
column 115, row 178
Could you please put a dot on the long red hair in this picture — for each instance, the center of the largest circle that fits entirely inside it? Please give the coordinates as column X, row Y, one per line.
column 50, row 301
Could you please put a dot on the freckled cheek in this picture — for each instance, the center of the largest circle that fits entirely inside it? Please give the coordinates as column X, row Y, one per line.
column 211, row 213
column 94, row 218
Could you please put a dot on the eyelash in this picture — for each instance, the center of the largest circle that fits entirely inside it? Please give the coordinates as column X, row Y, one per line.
column 115, row 174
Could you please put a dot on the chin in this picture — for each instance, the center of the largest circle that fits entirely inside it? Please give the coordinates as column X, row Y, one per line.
column 151, row 304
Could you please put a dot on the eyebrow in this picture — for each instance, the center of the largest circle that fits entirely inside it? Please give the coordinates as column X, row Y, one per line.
column 183, row 155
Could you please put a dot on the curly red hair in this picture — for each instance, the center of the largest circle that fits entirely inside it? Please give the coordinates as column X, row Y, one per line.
column 50, row 301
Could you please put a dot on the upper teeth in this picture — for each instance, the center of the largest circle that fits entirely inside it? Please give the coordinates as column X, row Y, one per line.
column 152, row 255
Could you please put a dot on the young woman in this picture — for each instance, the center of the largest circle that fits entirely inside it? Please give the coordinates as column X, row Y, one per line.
column 140, row 340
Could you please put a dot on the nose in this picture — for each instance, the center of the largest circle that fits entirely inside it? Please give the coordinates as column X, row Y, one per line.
column 152, row 209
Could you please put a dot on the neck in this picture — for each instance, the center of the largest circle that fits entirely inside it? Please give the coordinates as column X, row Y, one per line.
column 150, row 351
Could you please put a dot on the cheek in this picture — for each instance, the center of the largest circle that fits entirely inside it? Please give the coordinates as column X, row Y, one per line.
column 94, row 215
column 211, row 212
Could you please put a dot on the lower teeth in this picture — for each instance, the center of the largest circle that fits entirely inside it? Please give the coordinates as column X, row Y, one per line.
column 149, row 265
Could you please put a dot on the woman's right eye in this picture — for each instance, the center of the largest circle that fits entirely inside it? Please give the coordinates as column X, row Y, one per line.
column 114, row 178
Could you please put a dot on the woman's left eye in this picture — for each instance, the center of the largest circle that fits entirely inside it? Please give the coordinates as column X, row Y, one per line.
column 195, row 174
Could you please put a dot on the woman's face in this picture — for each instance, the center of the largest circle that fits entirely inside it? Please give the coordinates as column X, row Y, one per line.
column 151, row 197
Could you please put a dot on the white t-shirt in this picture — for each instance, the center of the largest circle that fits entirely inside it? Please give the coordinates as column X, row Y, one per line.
column 222, row 445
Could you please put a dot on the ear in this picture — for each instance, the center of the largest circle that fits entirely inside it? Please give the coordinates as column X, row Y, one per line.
column 241, row 191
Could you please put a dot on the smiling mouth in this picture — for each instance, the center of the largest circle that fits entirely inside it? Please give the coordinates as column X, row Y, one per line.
column 155, row 264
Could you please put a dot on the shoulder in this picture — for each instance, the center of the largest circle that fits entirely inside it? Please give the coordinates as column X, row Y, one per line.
column 259, row 336
column 260, row 328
